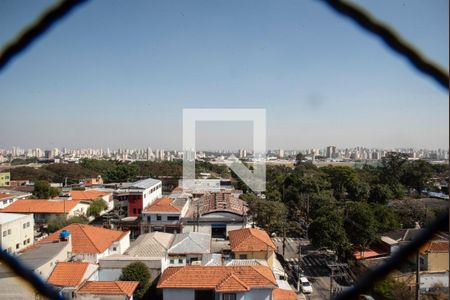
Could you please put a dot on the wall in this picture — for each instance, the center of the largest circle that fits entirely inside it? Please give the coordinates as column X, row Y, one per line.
column 268, row 256
column 24, row 237
column 177, row 294
column 5, row 179
column 100, row 297
column 437, row 262
column 46, row 269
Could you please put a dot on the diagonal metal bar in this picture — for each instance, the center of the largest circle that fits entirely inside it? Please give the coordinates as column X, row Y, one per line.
column 371, row 277
column 49, row 18
column 391, row 39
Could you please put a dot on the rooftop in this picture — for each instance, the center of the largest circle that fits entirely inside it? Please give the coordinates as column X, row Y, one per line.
column 40, row 206
column 214, row 202
column 10, row 193
column 220, row 278
column 68, row 273
column 40, row 254
column 144, row 184
column 250, row 239
column 191, row 242
column 87, row 194
column 10, row 217
column 154, row 244
column 108, row 288
column 163, row 205
column 87, row 238
column 434, row 247
column 282, row 294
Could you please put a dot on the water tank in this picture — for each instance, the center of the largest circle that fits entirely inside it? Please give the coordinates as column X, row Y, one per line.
column 64, row 235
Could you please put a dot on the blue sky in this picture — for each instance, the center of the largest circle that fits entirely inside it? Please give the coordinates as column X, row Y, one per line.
column 119, row 73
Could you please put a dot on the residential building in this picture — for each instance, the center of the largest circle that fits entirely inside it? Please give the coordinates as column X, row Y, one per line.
column 215, row 214
column 150, row 249
column 5, row 179
column 16, row 231
column 107, row 290
column 44, row 209
column 90, row 243
column 9, row 196
column 164, row 214
column 252, row 243
column 188, row 247
column 132, row 198
column 217, row 282
column 68, row 276
column 88, row 196
column 434, row 256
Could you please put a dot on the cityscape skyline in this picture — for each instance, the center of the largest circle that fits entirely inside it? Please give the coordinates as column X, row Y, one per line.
column 321, row 80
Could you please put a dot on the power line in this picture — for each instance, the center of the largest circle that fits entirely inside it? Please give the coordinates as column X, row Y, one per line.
column 391, row 39
column 30, row 34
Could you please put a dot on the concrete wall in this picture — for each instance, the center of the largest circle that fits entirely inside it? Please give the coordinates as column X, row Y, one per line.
column 17, row 234
column 437, row 262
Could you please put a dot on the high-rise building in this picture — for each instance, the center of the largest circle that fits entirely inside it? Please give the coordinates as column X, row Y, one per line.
column 331, row 151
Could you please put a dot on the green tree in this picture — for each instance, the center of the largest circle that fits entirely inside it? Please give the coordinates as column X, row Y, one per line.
column 43, row 190
column 340, row 178
column 137, row 271
column 417, row 175
column 380, row 193
column 392, row 167
column 385, row 217
column 96, row 207
column 391, row 289
column 360, row 224
column 358, row 190
column 327, row 230
column 55, row 223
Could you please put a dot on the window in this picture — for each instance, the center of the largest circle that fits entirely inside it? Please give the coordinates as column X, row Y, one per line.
column 139, row 211
column 5, row 233
column 149, row 218
column 24, row 242
column 134, row 210
column 180, row 260
column 28, row 241
column 9, row 231
column 17, row 245
column 229, row 296
column 172, row 261
column 114, row 248
column 158, row 218
column 243, row 256
column 24, row 225
column 173, row 218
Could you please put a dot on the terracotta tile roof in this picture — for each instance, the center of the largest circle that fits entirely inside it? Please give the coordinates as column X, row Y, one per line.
column 280, row 294
column 215, row 202
column 108, row 288
column 163, row 205
column 250, row 239
column 87, row 194
column 220, row 278
column 2, row 195
column 87, row 238
column 436, row 246
column 41, row 206
column 68, row 273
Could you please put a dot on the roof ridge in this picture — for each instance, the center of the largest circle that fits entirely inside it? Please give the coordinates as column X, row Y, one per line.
column 256, row 269
column 82, row 227
column 261, row 239
column 229, row 276
column 177, row 269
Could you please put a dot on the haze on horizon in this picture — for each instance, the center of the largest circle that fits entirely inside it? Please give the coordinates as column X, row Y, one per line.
column 118, row 76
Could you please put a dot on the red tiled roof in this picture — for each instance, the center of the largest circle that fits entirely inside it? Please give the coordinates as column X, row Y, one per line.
column 220, row 278
column 359, row 254
column 3, row 195
column 163, row 205
column 250, row 239
column 40, row 206
column 87, row 238
column 108, row 288
column 68, row 273
column 435, row 247
column 280, row 294
column 87, row 194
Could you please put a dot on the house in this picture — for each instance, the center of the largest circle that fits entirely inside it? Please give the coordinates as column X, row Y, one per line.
column 5, row 178
column 43, row 257
column 107, row 290
column 217, row 282
column 16, row 231
column 68, row 276
column 44, row 209
column 284, row 294
column 188, row 247
column 132, row 198
column 9, row 196
column 90, row 243
column 252, row 243
column 164, row 214
column 149, row 248
column 88, row 196
column 434, row 256
column 215, row 214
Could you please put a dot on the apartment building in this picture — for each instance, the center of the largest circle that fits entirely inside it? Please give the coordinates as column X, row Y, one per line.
column 16, row 231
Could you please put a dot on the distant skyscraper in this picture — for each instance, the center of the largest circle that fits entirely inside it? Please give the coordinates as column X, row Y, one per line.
column 281, row 153
column 331, row 151
column 242, row 153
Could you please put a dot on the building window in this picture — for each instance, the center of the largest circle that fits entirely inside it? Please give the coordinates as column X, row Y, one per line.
column 172, row 261
column 114, row 249
column 180, row 260
column 229, row 296
column 139, row 211
column 17, row 245
column 28, row 241
column 9, row 231
column 149, row 219
column 173, row 218
column 24, row 242
column 5, row 233
column 158, row 218
column 243, row 256
column 134, row 210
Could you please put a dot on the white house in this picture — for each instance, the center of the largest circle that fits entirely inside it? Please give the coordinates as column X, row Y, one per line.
column 16, row 231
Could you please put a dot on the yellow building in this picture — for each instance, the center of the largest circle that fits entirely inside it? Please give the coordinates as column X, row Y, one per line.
column 252, row 243
column 5, row 178
column 434, row 256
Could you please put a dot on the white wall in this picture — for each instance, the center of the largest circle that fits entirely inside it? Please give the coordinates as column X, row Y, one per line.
column 17, row 232
column 178, row 294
